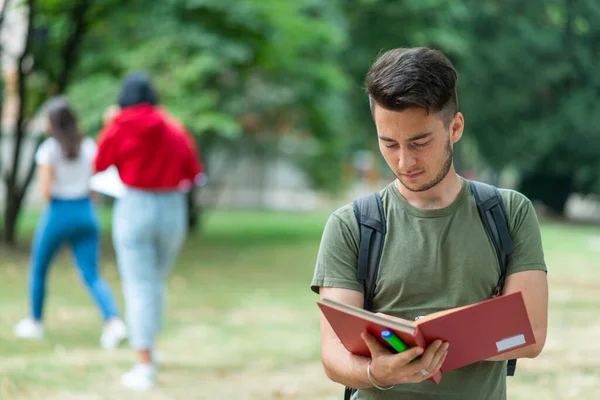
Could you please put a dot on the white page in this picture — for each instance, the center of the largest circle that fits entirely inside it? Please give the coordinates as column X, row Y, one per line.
column 108, row 182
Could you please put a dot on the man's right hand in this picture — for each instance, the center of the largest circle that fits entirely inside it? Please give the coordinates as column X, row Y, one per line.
column 389, row 368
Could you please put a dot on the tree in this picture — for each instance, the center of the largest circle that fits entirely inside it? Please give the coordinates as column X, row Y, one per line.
column 529, row 86
column 3, row 10
column 527, row 81
column 227, row 62
column 380, row 25
column 241, row 75
column 52, row 28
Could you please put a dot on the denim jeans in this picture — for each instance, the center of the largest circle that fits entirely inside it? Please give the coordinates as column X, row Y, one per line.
column 149, row 229
column 73, row 222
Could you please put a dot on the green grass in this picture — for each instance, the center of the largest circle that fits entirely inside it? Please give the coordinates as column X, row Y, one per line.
column 242, row 323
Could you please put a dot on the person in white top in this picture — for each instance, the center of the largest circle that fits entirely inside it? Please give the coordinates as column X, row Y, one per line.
column 65, row 165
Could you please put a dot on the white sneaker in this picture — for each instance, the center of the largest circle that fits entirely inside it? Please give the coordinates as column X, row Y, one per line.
column 29, row 329
column 113, row 334
column 140, row 377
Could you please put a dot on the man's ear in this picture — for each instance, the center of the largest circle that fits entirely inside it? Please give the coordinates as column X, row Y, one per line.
column 457, row 125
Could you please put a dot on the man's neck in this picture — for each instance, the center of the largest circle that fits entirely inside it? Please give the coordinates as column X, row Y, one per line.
column 441, row 195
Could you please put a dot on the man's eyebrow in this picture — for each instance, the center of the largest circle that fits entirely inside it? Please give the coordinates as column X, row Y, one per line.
column 420, row 136
column 412, row 139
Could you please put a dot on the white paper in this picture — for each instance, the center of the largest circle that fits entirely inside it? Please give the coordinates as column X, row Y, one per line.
column 510, row 342
column 108, row 182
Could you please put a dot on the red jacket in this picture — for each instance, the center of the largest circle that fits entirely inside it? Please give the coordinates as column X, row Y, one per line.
column 150, row 151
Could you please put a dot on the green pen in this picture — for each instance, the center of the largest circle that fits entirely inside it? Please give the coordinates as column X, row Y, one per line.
column 394, row 341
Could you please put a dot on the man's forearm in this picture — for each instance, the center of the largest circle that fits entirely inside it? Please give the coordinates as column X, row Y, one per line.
column 343, row 367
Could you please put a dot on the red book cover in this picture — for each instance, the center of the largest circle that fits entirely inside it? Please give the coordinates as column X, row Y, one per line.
column 475, row 332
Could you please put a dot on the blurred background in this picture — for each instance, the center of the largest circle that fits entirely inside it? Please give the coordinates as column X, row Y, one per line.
column 273, row 92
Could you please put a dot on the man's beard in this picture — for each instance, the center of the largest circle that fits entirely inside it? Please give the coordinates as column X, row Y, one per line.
column 439, row 177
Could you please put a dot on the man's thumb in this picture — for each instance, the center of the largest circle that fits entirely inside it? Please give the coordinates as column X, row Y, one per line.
column 373, row 344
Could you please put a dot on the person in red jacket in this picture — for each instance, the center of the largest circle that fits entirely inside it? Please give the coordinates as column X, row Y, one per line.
column 157, row 161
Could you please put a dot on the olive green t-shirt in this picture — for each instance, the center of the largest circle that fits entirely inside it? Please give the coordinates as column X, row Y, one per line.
column 433, row 260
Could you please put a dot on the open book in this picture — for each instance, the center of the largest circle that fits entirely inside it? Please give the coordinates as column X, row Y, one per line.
column 475, row 332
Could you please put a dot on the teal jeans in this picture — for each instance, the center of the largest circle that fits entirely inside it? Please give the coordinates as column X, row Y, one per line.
column 149, row 229
column 73, row 223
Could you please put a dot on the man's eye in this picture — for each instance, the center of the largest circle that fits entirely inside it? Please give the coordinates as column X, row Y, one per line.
column 391, row 146
column 423, row 144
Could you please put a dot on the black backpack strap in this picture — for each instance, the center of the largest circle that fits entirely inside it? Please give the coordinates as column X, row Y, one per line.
column 371, row 220
column 348, row 392
column 493, row 215
column 511, row 367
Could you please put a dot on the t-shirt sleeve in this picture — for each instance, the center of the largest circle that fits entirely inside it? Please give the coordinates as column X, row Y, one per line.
column 527, row 239
column 45, row 153
column 338, row 253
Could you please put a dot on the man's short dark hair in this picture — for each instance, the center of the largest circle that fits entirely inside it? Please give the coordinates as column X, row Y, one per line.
column 414, row 77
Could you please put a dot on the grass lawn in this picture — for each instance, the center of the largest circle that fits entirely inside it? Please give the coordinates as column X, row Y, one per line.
column 242, row 322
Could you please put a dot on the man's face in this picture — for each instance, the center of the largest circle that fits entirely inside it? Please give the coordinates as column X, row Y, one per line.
column 417, row 146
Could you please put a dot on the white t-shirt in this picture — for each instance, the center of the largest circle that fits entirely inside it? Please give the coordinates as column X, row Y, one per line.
column 71, row 178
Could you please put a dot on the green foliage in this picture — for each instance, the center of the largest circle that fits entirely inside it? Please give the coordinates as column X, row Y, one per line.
column 295, row 69
column 527, row 79
column 379, row 25
column 217, row 62
column 529, row 92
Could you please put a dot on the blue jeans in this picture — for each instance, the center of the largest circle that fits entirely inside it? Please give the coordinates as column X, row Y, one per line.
column 73, row 222
column 148, row 231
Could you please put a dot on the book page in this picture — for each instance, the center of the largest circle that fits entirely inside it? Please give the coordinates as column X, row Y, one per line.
column 441, row 313
column 399, row 324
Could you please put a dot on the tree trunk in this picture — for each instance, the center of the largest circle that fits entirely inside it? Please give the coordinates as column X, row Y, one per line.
column 2, row 86
column 14, row 196
column 15, row 190
column 11, row 215
column 69, row 53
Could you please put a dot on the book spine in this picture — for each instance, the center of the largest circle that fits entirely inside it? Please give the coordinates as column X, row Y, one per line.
column 419, row 338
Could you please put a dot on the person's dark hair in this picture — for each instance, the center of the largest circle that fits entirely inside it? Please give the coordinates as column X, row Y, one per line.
column 137, row 89
column 413, row 77
column 63, row 126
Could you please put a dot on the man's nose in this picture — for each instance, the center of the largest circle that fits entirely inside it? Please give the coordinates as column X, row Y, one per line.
column 406, row 160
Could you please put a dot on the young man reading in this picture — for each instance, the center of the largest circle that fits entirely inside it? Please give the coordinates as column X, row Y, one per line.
column 437, row 254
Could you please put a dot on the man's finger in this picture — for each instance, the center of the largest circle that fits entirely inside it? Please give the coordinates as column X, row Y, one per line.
column 437, row 367
column 429, row 353
column 440, row 353
column 420, row 376
column 407, row 356
column 426, row 358
column 373, row 344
